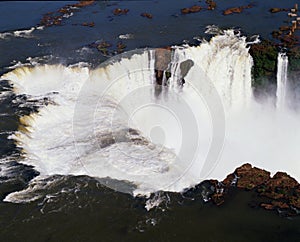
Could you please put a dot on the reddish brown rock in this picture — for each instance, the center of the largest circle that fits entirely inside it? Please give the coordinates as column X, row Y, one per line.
column 193, row 9
column 236, row 9
column 281, row 190
column 233, row 10
column 248, row 177
column 119, row 11
column 83, row 3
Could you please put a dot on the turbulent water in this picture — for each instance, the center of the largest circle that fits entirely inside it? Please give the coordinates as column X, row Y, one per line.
column 112, row 121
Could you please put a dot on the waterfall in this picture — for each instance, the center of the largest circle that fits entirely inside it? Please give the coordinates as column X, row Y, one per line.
column 164, row 143
column 282, row 85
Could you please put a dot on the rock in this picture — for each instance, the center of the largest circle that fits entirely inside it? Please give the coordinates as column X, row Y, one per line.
column 211, row 4
column 277, row 10
column 278, row 192
column 248, row 177
column 147, row 15
column 233, row 10
column 236, row 9
column 120, row 47
column 55, row 18
column 283, row 190
column 83, row 3
column 284, row 28
column 119, row 11
column 193, row 9
column 91, row 24
column 162, row 59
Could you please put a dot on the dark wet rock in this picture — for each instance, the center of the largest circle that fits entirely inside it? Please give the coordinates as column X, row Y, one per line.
column 147, row 15
column 236, row 9
column 119, row 11
column 277, row 10
column 193, row 9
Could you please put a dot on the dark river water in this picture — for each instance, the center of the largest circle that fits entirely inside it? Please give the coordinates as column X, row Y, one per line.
column 80, row 208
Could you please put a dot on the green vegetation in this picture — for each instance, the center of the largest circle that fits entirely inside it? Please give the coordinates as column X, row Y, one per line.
column 294, row 59
column 264, row 57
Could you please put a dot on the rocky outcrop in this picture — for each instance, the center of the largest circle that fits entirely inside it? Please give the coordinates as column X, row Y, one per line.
column 280, row 191
column 247, row 177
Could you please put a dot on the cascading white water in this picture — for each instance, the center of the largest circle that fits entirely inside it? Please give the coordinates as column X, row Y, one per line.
column 84, row 133
column 282, row 85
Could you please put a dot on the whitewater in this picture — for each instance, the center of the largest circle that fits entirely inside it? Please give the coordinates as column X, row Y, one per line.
column 114, row 122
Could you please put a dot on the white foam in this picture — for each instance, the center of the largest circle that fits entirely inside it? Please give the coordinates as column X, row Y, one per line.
column 23, row 33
